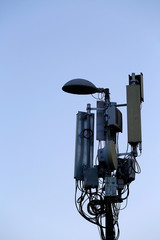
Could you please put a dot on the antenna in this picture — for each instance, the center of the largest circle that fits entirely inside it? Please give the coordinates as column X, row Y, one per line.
column 102, row 183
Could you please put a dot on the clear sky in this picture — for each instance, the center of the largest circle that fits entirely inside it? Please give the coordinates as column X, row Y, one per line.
column 44, row 44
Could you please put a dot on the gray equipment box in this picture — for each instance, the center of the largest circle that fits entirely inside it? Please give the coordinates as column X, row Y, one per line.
column 90, row 178
column 115, row 118
column 110, row 186
column 84, row 144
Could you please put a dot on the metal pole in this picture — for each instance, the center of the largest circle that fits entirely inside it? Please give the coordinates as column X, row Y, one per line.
column 110, row 233
column 88, row 137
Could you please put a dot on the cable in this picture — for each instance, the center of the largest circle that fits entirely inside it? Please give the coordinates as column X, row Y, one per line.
column 91, row 205
column 137, row 168
column 102, row 97
column 127, row 192
column 99, row 147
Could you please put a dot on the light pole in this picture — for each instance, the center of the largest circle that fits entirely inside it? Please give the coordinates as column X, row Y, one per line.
column 101, row 185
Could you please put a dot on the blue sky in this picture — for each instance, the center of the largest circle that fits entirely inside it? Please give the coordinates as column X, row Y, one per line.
column 44, row 44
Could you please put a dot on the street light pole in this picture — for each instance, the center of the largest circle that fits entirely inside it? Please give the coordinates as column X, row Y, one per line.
column 100, row 185
column 109, row 233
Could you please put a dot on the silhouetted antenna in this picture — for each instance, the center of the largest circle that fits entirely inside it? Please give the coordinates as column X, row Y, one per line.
column 102, row 186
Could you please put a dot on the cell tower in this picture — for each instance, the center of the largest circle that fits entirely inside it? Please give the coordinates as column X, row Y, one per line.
column 102, row 185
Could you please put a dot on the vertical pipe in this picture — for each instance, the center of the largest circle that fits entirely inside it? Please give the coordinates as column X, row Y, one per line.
column 110, row 233
column 88, row 127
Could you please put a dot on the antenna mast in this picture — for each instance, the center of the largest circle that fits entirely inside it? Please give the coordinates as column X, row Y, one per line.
column 102, row 185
